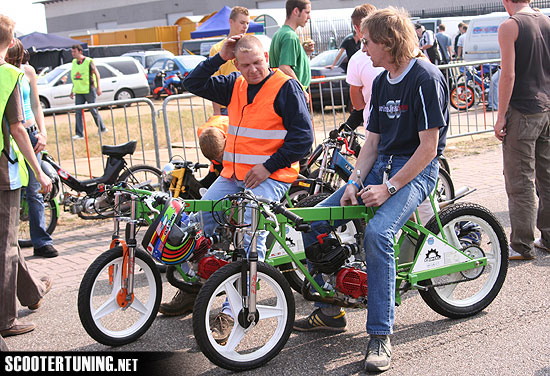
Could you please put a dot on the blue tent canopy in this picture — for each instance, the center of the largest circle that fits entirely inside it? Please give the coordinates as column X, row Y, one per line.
column 49, row 42
column 218, row 24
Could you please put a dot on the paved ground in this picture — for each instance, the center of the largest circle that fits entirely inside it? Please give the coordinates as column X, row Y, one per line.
column 511, row 337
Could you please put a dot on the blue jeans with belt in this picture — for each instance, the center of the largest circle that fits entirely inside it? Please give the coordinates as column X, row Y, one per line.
column 379, row 236
column 35, row 201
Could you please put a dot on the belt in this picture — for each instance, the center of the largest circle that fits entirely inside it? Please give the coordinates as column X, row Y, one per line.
column 31, row 129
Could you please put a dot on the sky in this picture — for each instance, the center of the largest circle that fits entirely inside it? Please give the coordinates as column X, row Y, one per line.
column 28, row 17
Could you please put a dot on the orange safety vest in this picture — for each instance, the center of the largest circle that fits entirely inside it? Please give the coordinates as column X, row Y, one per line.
column 255, row 130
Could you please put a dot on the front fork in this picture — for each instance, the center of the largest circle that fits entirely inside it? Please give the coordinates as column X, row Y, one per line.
column 248, row 316
column 125, row 295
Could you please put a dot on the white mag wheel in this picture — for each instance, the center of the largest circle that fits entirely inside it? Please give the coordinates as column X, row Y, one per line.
column 251, row 347
column 100, row 312
column 476, row 231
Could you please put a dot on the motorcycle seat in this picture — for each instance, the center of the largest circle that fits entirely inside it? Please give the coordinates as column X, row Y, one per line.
column 119, row 151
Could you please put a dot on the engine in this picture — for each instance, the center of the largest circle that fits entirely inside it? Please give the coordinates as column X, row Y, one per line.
column 209, row 264
column 352, row 282
column 86, row 204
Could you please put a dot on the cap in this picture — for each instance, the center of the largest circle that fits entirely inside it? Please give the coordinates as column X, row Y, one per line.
column 418, row 25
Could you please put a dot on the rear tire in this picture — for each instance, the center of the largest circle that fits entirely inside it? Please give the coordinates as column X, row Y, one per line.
column 147, row 177
column 50, row 212
column 476, row 231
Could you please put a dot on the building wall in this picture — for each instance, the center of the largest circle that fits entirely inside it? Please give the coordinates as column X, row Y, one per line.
column 69, row 17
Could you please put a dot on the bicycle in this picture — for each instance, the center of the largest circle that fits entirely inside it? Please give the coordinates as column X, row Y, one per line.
column 329, row 166
column 458, row 270
column 51, row 208
column 92, row 200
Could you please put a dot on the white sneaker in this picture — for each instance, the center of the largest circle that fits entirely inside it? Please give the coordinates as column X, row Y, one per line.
column 513, row 255
column 538, row 244
column 77, row 137
column 105, row 130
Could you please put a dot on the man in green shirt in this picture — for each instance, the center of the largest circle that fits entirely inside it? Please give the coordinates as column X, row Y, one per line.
column 286, row 51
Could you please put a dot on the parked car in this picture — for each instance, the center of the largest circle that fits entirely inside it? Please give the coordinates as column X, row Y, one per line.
column 318, row 70
column 147, row 58
column 121, row 78
column 183, row 64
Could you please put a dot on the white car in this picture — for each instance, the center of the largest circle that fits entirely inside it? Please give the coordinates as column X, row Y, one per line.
column 121, row 78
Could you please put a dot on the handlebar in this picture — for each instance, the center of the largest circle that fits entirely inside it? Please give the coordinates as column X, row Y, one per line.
column 279, row 208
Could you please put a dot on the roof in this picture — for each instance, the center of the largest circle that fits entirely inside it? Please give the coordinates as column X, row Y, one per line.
column 48, row 42
column 218, row 24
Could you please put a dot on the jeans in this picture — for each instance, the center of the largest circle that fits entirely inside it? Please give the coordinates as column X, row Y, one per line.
column 82, row 99
column 379, row 236
column 271, row 189
column 526, row 162
column 35, row 201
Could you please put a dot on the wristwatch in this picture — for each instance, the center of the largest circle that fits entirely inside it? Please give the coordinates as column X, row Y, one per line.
column 391, row 188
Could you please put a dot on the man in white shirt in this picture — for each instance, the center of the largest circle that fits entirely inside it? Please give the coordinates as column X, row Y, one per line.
column 460, row 42
column 361, row 73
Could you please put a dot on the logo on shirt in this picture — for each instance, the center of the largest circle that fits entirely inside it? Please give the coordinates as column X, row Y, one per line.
column 393, row 109
column 77, row 76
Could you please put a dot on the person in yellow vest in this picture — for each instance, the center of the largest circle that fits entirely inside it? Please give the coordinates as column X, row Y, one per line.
column 15, row 147
column 239, row 19
column 86, row 85
column 269, row 131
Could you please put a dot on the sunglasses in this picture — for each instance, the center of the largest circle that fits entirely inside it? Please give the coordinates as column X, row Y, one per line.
column 364, row 41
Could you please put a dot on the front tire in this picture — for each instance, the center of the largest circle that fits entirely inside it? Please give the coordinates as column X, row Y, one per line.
column 124, row 94
column 244, row 350
column 477, row 232
column 100, row 314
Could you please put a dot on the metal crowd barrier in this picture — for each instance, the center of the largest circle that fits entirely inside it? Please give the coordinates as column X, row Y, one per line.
column 124, row 123
column 183, row 114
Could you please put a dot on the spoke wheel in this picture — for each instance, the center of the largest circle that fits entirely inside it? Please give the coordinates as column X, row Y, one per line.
column 445, row 189
column 143, row 176
column 51, row 215
column 245, row 348
column 100, row 314
column 477, row 232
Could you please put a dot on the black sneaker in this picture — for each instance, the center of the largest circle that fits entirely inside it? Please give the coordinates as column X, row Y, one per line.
column 46, row 251
column 378, row 354
column 319, row 321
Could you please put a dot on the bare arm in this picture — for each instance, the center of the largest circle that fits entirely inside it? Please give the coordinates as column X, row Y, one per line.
column 217, row 108
column 22, row 138
column 336, row 58
column 356, row 96
column 427, row 150
column 365, row 160
column 507, row 35
column 36, row 109
column 95, row 72
column 287, row 69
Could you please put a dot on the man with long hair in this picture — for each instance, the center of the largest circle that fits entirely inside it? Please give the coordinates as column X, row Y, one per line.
column 406, row 132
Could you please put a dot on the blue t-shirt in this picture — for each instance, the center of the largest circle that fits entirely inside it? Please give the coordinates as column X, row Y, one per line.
column 406, row 105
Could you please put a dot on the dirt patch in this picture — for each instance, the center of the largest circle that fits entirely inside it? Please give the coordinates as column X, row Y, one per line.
column 471, row 145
